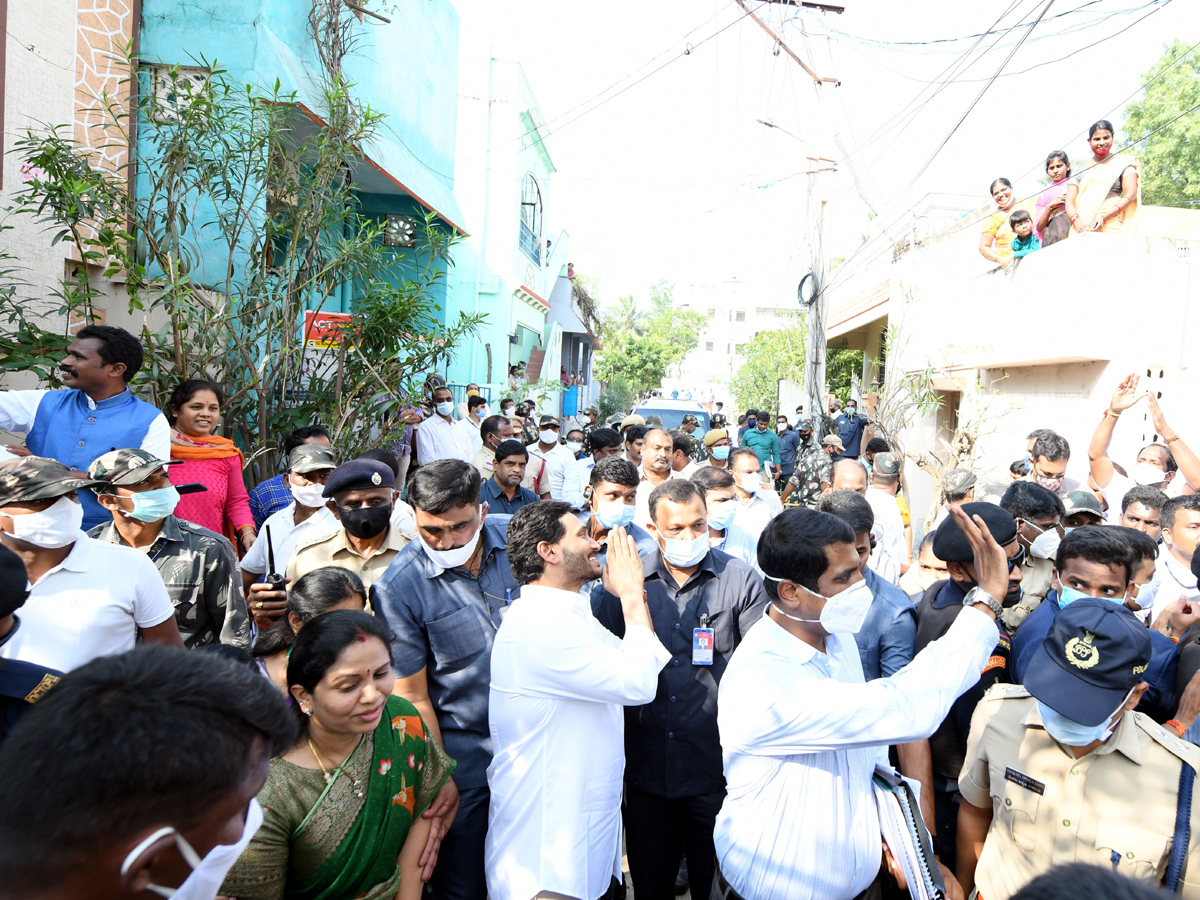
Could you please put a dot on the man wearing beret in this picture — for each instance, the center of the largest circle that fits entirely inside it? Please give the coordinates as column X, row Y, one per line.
column 717, row 446
column 936, row 612
column 21, row 683
column 198, row 566
column 362, row 494
column 1063, row 770
column 89, row 598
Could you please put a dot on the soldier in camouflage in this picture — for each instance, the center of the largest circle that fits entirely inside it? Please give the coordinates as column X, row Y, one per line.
column 690, row 423
column 197, row 565
column 814, row 468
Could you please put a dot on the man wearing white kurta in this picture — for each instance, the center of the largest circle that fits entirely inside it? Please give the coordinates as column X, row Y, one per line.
column 559, row 681
column 801, row 732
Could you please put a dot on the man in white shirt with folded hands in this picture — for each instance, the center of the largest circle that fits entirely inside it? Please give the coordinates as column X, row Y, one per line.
column 559, row 680
column 802, row 732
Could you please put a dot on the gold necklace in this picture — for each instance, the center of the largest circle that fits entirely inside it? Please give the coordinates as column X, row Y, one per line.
column 356, row 784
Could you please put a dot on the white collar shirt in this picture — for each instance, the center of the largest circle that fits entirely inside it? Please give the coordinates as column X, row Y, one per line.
column 801, row 733
column 739, row 543
column 470, row 433
column 641, row 515
column 558, row 460
column 89, row 605
column 439, row 439
column 1172, row 579
column 559, row 680
column 753, row 517
column 890, row 548
column 575, row 480
column 284, row 537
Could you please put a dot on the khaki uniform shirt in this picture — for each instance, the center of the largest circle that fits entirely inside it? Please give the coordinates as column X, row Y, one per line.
column 1114, row 807
column 334, row 550
column 1036, row 574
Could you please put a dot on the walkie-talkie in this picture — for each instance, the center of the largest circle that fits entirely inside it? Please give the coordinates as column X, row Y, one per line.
column 274, row 579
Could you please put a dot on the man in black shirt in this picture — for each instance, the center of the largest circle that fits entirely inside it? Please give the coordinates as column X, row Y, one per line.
column 702, row 602
column 935, row 614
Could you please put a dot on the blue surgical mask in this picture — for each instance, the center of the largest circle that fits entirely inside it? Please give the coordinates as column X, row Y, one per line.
column 720, row 514
column 720, row 452
column 615, row 513
column 1067, row 596
column 1070, row 733
column 150, row 506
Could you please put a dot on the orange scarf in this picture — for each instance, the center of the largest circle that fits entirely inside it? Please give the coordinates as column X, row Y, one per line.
column 210, row 447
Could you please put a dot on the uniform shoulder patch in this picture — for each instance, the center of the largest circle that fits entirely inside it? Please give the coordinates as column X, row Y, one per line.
column 1176, row 746
column 1006, row 692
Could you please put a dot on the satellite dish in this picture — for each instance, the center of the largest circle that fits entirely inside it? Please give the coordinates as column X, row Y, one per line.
column 806, row 291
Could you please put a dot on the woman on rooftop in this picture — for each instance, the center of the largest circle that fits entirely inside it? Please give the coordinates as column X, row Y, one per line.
column 1050, row 217
column 995, row 241
column 1105, row 195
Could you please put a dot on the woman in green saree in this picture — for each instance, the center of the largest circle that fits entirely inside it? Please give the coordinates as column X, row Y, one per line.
column 342, row 808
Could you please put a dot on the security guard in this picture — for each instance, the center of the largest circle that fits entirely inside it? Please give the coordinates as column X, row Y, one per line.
column 1062, row 770
column 362, row 494
column 688, row 427
column 21, row 683
column 936, row 612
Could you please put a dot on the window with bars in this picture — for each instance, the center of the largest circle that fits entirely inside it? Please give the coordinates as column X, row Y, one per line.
column 531, row 218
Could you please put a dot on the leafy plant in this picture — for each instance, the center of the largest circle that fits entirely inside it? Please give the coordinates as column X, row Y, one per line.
column 1170, row 173
column 639, row 348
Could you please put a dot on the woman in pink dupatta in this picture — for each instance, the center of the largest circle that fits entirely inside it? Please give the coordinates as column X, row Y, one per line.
column 1050, row 210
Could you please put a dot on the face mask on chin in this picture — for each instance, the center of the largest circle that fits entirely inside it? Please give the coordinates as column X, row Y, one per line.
column 208, row 872
column 53, row 528
column 459, row 556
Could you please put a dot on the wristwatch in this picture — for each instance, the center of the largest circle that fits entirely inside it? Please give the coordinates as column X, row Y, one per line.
column 979, row 595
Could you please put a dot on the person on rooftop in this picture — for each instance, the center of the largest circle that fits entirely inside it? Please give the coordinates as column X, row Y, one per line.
column 995, row 240
column 1104, row 196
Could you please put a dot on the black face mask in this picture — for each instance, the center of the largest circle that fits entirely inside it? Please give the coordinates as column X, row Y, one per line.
column 366, row 522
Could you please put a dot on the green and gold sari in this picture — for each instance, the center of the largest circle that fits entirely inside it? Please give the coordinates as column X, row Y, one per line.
column 320, row 841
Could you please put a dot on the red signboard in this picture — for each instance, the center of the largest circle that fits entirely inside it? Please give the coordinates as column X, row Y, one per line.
column 323, row 329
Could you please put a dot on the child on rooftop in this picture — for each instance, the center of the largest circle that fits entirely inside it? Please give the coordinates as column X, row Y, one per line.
column 1025, row 242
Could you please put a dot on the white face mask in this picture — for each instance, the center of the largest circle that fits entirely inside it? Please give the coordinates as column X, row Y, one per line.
column 685, row 553
column 548, row 436
column 1045, row 545
column 54, row 527
column 207, row 873
column 307, row 494
column 1147, row 473
column 842, row 613
column 459, row 556
column 749, row 483
column 574, row 446
column 444, row 409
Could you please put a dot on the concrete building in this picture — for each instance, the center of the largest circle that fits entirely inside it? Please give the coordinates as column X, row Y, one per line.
column 513, row 268
column 1044, row 346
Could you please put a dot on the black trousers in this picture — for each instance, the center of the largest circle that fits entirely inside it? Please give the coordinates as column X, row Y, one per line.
column 658, row 829
column 459, row 873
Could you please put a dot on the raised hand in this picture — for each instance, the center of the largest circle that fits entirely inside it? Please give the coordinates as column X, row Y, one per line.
column 1126, row 394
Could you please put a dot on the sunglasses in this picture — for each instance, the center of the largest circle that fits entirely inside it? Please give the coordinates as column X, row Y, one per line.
column 1017, row 560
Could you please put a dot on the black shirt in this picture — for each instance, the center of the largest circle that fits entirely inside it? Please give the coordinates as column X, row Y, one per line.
column 672, row 746
column 935, row 614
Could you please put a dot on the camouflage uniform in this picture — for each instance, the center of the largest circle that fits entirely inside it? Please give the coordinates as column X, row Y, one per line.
column 814, row 467
column 197, row 565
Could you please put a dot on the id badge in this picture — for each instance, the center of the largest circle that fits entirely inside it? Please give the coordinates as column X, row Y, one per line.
column 702, row 646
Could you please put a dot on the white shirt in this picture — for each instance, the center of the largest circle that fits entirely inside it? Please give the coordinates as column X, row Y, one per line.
column 801, row 733
column 889, row 550
column 18, row 409
column 1171, row 579
column 89, row 605
column 689, row 470
column 740, row 543
column 755, row 516
column 470, row 433
column 575, row 480
column 439, row 439
column 286, row 536
column 641, row 515
column 559, row 681
column 558, row 460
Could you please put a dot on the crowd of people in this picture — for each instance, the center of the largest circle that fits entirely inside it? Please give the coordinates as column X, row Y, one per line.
column 511, row 651
column 1103, row 197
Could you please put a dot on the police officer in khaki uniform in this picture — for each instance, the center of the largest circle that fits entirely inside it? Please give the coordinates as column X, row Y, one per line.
column 1062, row 770
column 362, row 494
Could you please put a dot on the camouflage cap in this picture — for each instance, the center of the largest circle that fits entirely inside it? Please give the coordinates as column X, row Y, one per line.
column 31, row 478
column 887, row 464
column 130, row 466
column 804, row 425
column 689, row 419
column 834, row 441
column 654, row 421
column 311, row 458
column 958, row 480
column 1082, row 502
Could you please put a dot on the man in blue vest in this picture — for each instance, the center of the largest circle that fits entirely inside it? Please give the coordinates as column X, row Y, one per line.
column 94, row 414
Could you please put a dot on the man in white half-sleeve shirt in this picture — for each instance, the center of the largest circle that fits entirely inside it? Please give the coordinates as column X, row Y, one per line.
column 89, row 598
column 559, row 681
column 802, row 732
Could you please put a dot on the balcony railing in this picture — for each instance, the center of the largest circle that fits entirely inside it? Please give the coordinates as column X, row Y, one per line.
column 531, row 244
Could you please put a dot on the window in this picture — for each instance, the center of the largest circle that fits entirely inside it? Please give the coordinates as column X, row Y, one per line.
column 739, row 316
column 531, row 218
column 708, row 345
column 173, row 89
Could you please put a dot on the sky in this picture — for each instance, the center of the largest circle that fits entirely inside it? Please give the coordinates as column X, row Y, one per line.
column 666, row 172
